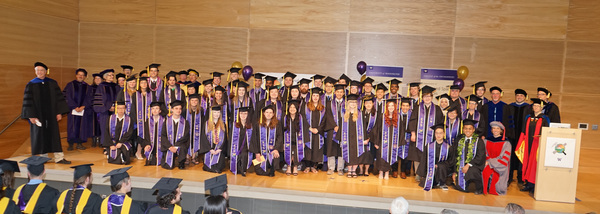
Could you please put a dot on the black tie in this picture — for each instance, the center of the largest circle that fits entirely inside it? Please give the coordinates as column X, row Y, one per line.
column 468, row 141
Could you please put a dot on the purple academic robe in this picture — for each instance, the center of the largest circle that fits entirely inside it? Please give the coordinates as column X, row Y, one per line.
column 79, row 128
column 104, row 99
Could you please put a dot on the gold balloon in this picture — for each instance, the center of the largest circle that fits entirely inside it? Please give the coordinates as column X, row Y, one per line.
column 363, row 77
column 237, row 64
column 463, row 72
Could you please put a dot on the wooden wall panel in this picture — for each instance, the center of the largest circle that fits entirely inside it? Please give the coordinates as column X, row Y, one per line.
column 512, row 18
column 122, row 11
column 29, row 37
column 297, row 51
column 431, row 17
column 511, row 63
column 68, row 9
column 330, row 15
column 204, row 49
column 582, row 59
column 411, row 52
column 573, row 111
column 584, row 21
column 233, row 13
column 105, row 46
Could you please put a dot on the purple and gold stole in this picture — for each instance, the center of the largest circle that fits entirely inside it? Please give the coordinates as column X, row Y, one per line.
column 204, row 103
column 173, row 136
column 236, row 148
column 267, row 140
column 287, row 134
column 452, row 130
column 461, row 176
column 359, row 137
column 167, row 94
column 195, row 133
column 403, row 149
column 424, row 133
column 334, row 110
column 237, row 104
column 278, row 105
column 372, row 120
column 385, row 141
column 309, row 118
column 127, row 98
column 154, row 142
column 142, row 110
column 431, row 161
column 210, row 159
column 476, row 116
column 124, row 128
column 158, row 89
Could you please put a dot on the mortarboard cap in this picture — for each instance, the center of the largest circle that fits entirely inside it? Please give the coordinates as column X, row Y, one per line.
column 344, row 77
column 244, row 109
column 194, row 96
column 316, row 90
column 81, row 170
column 96, row 75
column 520, row 91
column 241, row 84
column 171, row 74
column 330, row 80
column 394, row 81
column 81, row 70
column 438, row 126
column 406, row 100
column 164, row 186
column 270, row 78
column 381, row 86
column 189, row 71
column 155, row 103
column 8, row 165
column 355, row 83
column 126, row 67
column 469, row 122
column 339, row 86
column 117, row 175
column 538, row 101
column 453, row 108
column 544, row 90
column 153, row 65
column 294, row 102
column 368, row 98
column 273, row 88
column 443, row 96
column 120, row 103
column 454, row 87
column 294, row 87
column 143, row 72
column 414, row 84
column 368, row 80
column 131, row 78
column 216, row 185
column 304, row 81
column 40, row 64
column 120, row 75
column 352, row 97
column 216, row 108
column 479, row 84
column 35, row 164
column 473, row 98
column 176, row 103
column 495, row 88
column 289, row 74
column 318, row 77
column 258, row 76
column 234, row 70
column 219, row 88
column 143, row 78
column 207, row 82
column 427, row 89
column 216, row 74
column 392, row 100
column 271, row 106
column 183, row 72
column 107, row 71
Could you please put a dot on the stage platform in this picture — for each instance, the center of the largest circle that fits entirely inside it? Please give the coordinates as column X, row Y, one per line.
column 322, row 189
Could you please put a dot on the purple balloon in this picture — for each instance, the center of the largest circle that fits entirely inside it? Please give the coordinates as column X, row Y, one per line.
column 247, row 72
column 460, row 83
column 361, row 67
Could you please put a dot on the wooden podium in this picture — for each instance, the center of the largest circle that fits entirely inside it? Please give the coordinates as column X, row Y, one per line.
column 558, row 165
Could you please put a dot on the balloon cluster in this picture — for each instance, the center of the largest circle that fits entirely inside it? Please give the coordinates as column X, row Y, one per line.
column 462, row 74
column 247, row 70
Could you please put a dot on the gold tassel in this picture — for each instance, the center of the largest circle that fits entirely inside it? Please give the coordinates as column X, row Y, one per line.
column 48, row 71
column 261, row 116
column 137, row 85
column 228, row 74
column 461, row 126
column 420, row 95
column 408, row 91
column 474, row 88
column 445, row 122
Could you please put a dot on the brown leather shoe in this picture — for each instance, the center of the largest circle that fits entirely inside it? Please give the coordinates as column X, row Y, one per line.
column 395, row 175
column 403, row 175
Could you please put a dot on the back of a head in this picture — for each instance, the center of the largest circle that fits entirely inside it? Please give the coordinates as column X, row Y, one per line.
column 399, row 206
column 448, row 211
column 513, row 208
column 216, row 204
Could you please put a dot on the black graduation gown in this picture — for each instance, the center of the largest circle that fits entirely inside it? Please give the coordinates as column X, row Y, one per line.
column 95, row 124
column 367, row 157
column 150, row 139
column 229, row 210
column 333, row 149
column 122, row 153
column 293, row 127
column 182, row 143
column 192, row 117
column 92, row 206
column 442, row 171
column 46, row 202
column 158, row 210
column 473, row 175
column 206, row 146
column 326, row 123
column 255, row 148
column 135, row 208
column 380, row 163
column 145, row 109
column 242, row 158
column 551, row 110
column 414, row 154
column 8, row 192
column 481, row 125
column 352, row 140
column 11, row 207
column 43, row 100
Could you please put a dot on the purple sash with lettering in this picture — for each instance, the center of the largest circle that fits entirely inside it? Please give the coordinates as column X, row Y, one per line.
column 385, row 142
column 142, row 111
column 424, row 132
column 335, row 110
column 174, row 136
column 309, row 118
column 152, row 131
column 124, row 128
column 195, row 133
column 167, row 94
column 461, row 176
column 234, row 149
column 452, row 130
column 359, row 138
column 127, row 98
column 431, row 161
column 210, row 159
column 288, row 141
column 266, row 142
column 403, row 149
column 372, row 120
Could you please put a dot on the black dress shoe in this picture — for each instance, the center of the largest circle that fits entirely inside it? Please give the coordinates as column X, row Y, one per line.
column 243, row 174
column 64, row 161
column 70, row 148
column 526, row 188
column 80, row 147
column 478, row 192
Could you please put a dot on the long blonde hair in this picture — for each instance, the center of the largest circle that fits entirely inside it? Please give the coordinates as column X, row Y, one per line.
column 211, row 126
column 354, row 116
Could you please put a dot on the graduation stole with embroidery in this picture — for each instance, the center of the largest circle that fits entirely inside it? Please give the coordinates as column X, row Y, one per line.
column 452, row 129
column 158, row 140
column 425, row 133
column 310, row 125
column 278, row 106
column 385, row 141
column 463, row 158
column 124, row 128
column 173, row 136
column 403, row 149
column 167, row 94
column 267, row 141
column 194, row 133
column 431, row 161
column 287, row 134
column 216, row 139
column 236, row 148
column 359, row 137
column 142, row 110
column 334, row 110
column 476, row 116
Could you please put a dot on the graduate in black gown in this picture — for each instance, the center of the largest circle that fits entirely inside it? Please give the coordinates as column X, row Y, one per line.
column 104, row 100
column 214, row 140
column 257, row 93
column 126, row 95
column 470, row 160
column 27, row 196
column 96, row 133
column 194, row 114
column 173, row 91
column 156, row 86
column 403, row 164
column 456, row 99
column 117, row 142
column 273, row 98
column 288, row 81
column 295, row 137
column 8, row 169
column 79, row 99
column 550, row 108
column 174, row 138
column 436, row 162
column 240, row 135
column 44, row 105
column 517, row 112
column 140, row 111
column 80, row 198
column 6, row 202
column 388, row 139
column 267, row 142
column 473, row 114
column 168, row 197
column 239, row 98
column 152, row 135
column 369, row 122
column 333, row 149
column 120, row 201
column 217, row 186
column 351, row 135
column 319, row 122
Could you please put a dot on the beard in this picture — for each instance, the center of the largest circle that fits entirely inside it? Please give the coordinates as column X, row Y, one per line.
column 304, row 90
